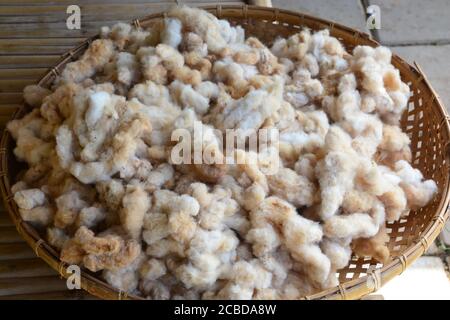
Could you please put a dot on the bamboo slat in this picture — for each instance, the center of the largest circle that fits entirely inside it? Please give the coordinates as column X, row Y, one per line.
column 11, row 251
column 15, row 286
column 57, row 295
column 5, row 221
column 93, row 9
column 24, row 268
column 25, row 61
column 27, row 73
column 9, row 235
column 11, row 98
column 14, row 85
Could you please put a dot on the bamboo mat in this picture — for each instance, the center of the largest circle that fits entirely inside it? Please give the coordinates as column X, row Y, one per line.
column 33, row 35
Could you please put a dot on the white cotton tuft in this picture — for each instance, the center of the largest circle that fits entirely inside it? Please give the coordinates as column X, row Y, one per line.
column 97, row 103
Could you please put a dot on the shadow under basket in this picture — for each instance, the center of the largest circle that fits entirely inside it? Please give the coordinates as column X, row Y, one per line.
column 425, row 121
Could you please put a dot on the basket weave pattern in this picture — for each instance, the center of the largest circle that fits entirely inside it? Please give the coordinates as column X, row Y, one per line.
column 425, row 121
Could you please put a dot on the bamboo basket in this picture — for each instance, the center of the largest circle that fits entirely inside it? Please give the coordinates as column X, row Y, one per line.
column 425, row 121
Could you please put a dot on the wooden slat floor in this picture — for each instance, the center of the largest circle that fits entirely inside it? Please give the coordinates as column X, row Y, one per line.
column 33, row 35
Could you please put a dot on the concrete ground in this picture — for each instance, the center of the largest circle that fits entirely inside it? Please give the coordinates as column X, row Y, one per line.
column 418, row 31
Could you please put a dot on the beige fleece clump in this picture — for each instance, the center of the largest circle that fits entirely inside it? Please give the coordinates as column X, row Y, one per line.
column 103, row 185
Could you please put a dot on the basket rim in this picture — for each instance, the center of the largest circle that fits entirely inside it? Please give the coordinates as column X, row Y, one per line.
column 353, row 289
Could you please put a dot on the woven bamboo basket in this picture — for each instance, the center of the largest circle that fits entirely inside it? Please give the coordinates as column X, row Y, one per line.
column 425, row 121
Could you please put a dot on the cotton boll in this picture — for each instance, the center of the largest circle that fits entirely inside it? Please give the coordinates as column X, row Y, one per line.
column 171, row 34
column 93, row 59
column 31, row 144
column 374, row 247
column 104, row 251
column 181, row 226
column 135, row 204
column 394, row 146
column 160, row 176
column 57, row 237
column 338, row 252
column 29, row 199
column 299, row 230
column 150, row 93
column 208, row 89
column 151, row 65
column 250, row 111
column 90, row 217
column 253, row 196
column 335, row 174
column 194, row 43
column 97, row 102
column 231, row 34
column 19, row 186
column 215, row 205
column 119, row 33
column 205, row 257
column 34, row 95
column 189, row 98
column 295, row 230
column 155, row 290
column 305, row 166
column 385, row 92
column 155, row 227
column 38, row 216
column 127, row 69
column 418, row 191
column 395, row 203
column 296, row 189
column 295, row 47
column 64, row 146
column 127, row 278
column 152, row 269
column 195, row 60
column 302, row 80
column 178, row 222
column 355, row 225
column 68, row 207
column 314, row 262
column 264, row 239
column 202, row 23
column 165, row 247
column 357, row 201
column 111, row 192
column 231, row 73
column 251, row 275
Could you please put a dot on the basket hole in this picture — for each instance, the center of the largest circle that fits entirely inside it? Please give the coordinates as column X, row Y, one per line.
column 350, row 275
